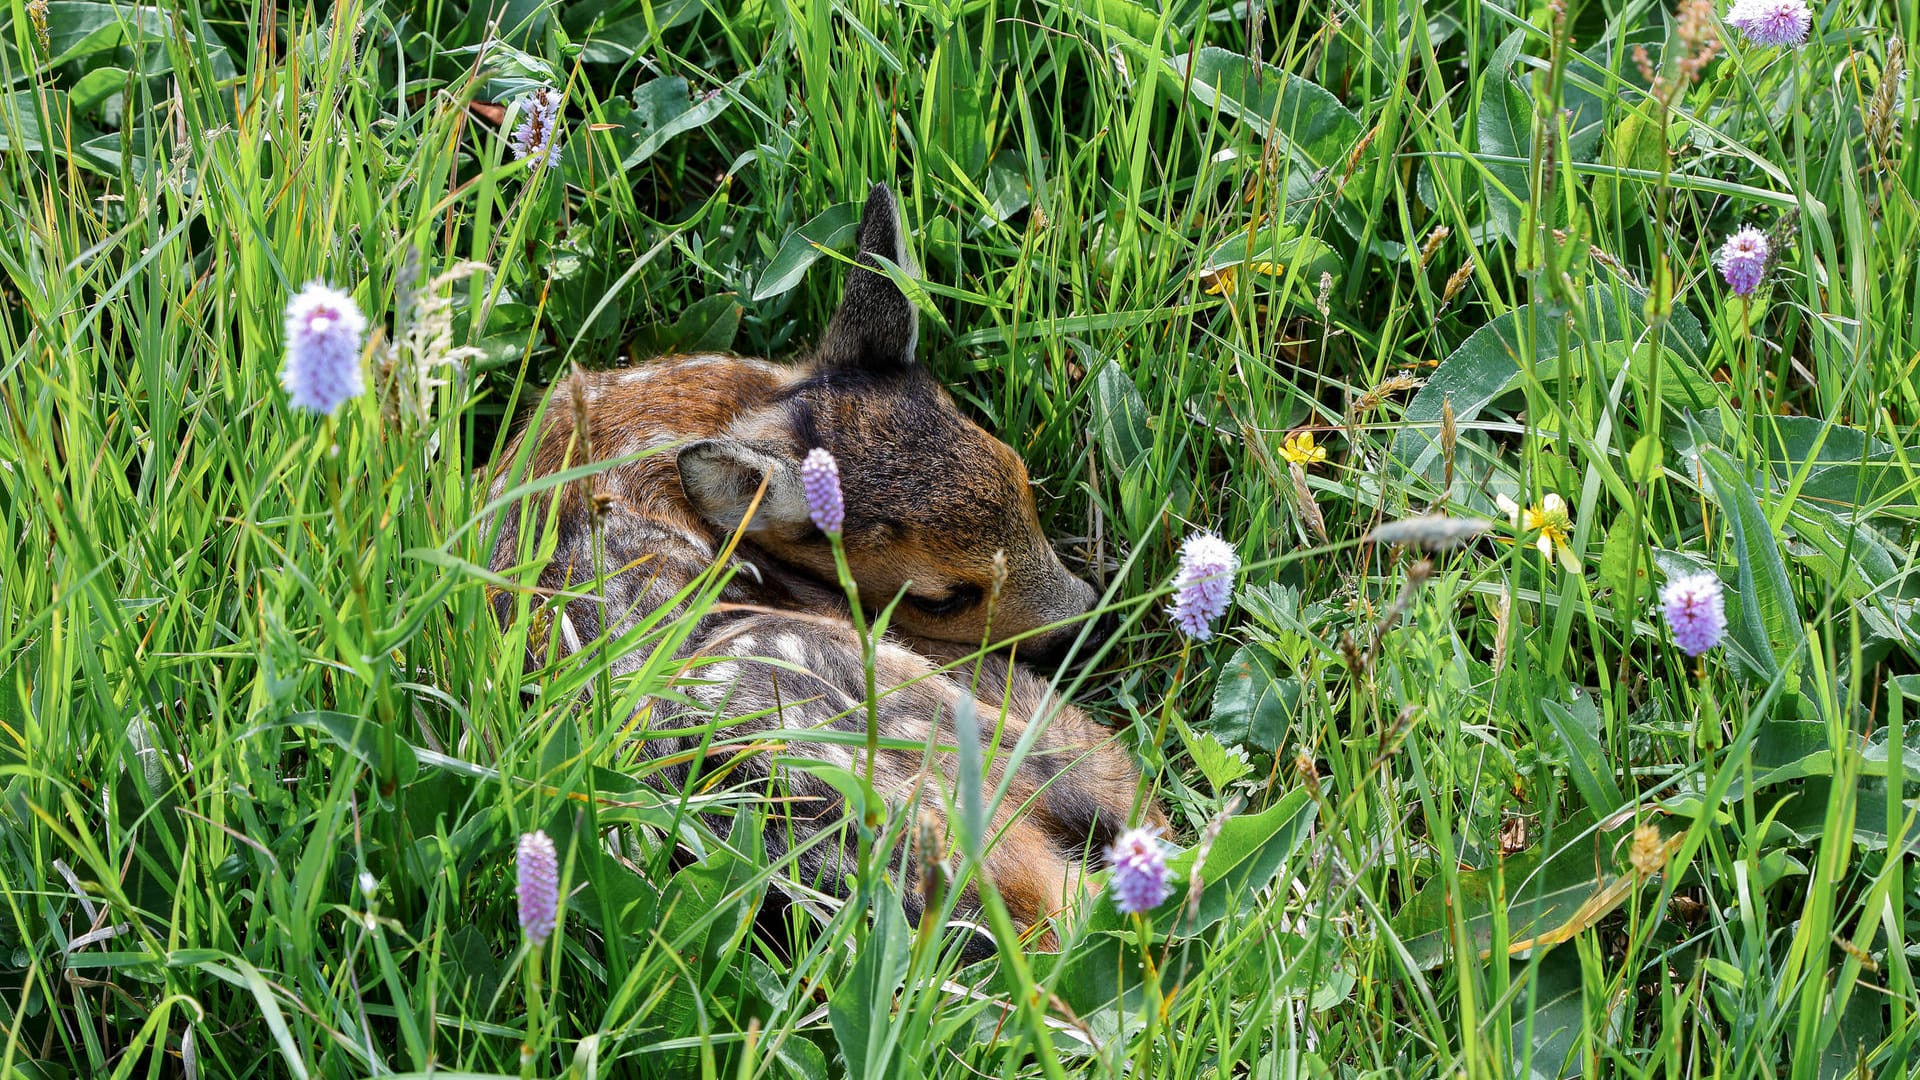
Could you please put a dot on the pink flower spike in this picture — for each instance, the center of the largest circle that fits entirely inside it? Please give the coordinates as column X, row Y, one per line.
column 1770, row 23
column 1695, row 607
column 539, row 887
column 1141, row 880
column 537, row 135
column 1203, row 586
column 1743, row 260
column 820, row 481
column 322, row 370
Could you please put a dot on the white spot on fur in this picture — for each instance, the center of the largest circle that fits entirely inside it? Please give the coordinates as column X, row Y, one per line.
column 790, row 648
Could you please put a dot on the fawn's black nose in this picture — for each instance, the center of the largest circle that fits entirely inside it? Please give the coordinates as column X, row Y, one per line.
column 1054, row 648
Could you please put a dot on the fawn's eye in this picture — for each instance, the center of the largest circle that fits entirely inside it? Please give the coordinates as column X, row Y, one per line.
column 957, row 599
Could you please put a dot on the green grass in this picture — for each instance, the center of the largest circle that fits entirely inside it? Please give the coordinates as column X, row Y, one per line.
column 264, row 752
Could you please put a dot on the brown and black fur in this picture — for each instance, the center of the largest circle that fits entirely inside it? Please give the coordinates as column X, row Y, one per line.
column 931, row 500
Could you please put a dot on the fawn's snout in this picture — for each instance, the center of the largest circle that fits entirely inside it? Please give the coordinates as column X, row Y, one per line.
column 1051, row 648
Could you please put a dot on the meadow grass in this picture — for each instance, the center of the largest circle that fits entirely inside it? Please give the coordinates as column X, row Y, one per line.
column 1460, row 807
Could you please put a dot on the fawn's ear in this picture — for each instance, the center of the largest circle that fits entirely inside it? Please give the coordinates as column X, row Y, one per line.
column 722, row 476
column 876, row 326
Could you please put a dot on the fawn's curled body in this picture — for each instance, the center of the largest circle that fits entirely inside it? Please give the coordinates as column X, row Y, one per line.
column 938, row 512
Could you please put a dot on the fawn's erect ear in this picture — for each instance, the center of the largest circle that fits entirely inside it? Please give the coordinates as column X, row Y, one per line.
column 876, row 326
column 722, row 476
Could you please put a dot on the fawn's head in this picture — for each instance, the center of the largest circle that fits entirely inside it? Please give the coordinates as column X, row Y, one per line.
column 931, row 497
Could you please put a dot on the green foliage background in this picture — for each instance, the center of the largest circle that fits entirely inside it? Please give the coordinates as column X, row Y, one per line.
column 264, row 751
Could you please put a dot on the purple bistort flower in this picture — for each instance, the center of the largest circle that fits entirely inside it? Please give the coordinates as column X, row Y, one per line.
column 324, row 327
column 1141, row 879
column 1743, row 260
column 1696, row 611
column 1203, row 586
column 820, row 479
column 539, row 887
column 537, row 135
column 1771, row 22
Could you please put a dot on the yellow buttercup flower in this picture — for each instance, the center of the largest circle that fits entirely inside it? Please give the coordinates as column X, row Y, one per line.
column 1299, row 449
column 1551, row 520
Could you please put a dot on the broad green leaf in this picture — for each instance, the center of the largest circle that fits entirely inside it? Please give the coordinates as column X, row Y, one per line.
column 614, row 900
column 1852, row 555
column 851, row 785
column 1578, row 726
column 79, row 30
column 1805, row 815
column 1859, row 1030
column 1682, row 381
column 1536, row 899
column 1636, row 142
column 861, row 1007
column 1785, row 443
column 704, row 912
column 952, row 104
column 708, row 325
column 1622, row 566
column 391, row 759
column 1120, row 419
column 662, row 109
column 1303, row 117
column 1506, row 130
column 803, row 1059
column 1220, row 765
column 1766, row 621
column 97, row 86
column 21, row 128
column 1297, row 257
column 1135, row 34
column 1548, row 1019
column 621, row 39
column 1249, row 853
column 1252, row 702
column 698, row 919
column 1877, row 484
column 1643, row 461
column 831, row 228
column 1268, row 253
column 1487, row 364
column 1006, row 189
column 1139, row 21
column 1102, row 969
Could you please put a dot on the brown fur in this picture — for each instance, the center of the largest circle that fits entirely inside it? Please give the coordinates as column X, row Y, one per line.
column 938, row 512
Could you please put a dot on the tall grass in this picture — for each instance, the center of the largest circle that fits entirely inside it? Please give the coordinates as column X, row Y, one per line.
column 265, row 750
